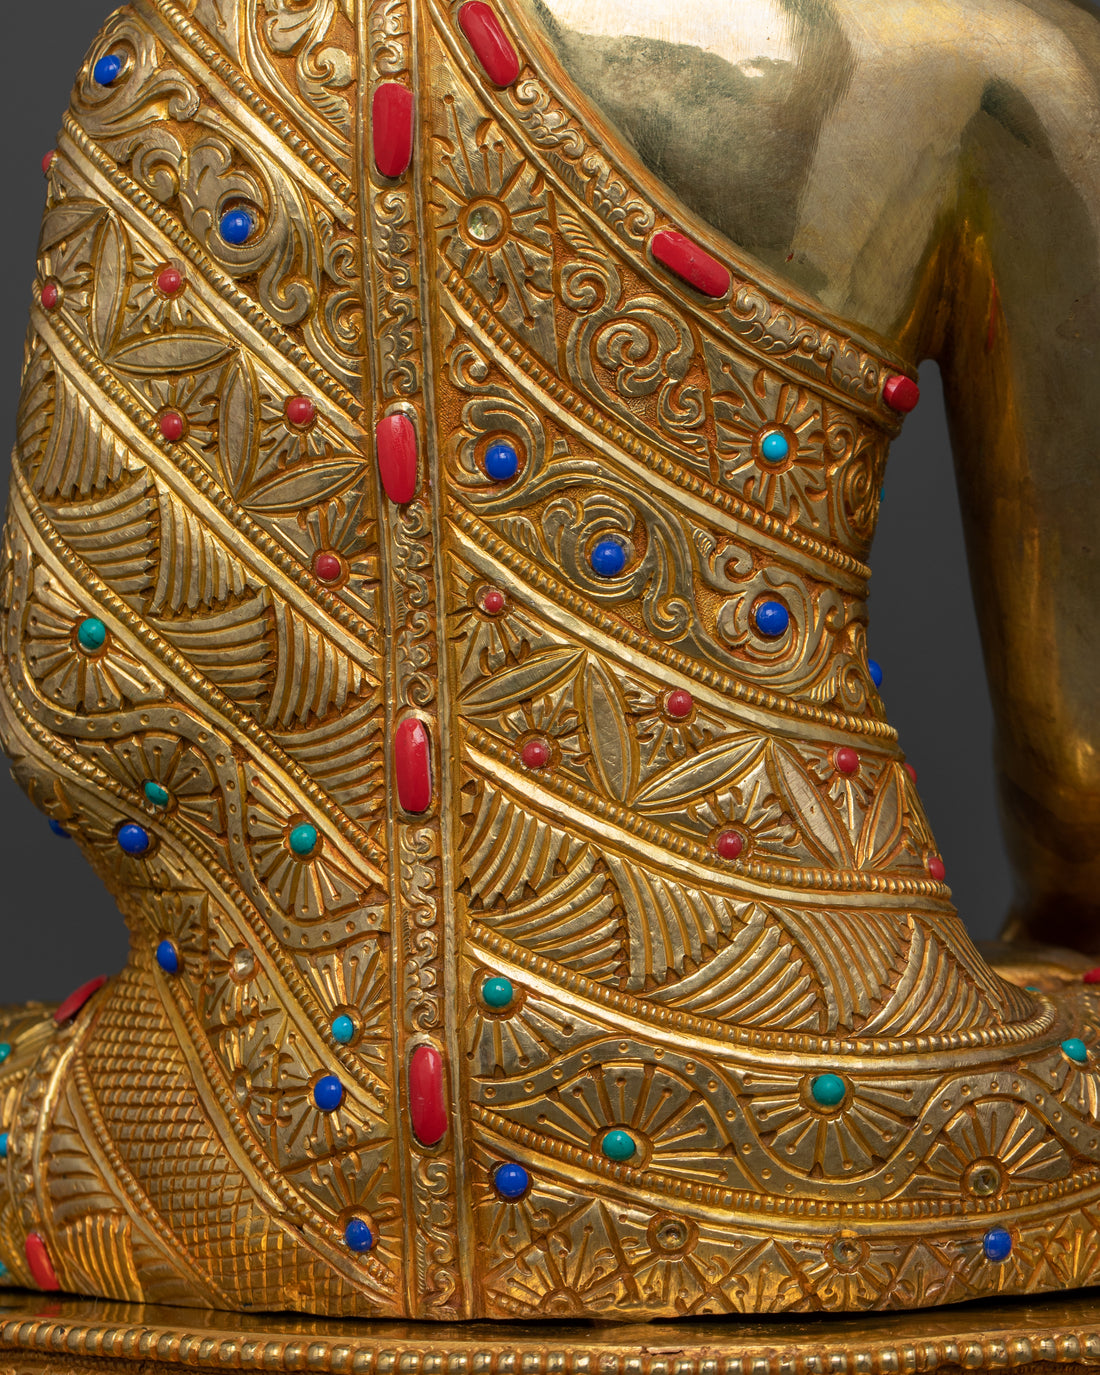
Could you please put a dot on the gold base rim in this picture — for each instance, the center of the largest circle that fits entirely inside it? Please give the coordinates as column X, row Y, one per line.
column 1028, row 1333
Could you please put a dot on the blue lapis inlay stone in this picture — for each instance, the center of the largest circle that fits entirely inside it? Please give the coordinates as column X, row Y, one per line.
column 168, row 957
column 875, row 669
column 997, row 1244
column 358, row 1235
column 772, row 619
column 328, row 1093
column 608, row 559
column 511, row 1181
column 59, row 830
column 501, row 462
column 106, row 70
column 775, row 447
column 133, row 839
column 236, row 227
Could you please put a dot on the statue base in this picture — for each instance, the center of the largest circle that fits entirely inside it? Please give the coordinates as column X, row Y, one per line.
column 42, row 1336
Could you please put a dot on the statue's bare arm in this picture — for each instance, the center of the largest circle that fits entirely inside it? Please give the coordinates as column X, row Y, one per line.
column 931, row 172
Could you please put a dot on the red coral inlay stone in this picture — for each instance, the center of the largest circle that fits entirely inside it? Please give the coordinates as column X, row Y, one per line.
column 396, row 446
column 76, row 1000
column 412, row 762
column 679, row 704
column 392, row 128
column 490, row 44
column 846, row 761
column 535, row 754
column 937, row 868
column 690, row 263
column 730, row 844
column 47, row 161
column 427, row 1095
column 492, row 603
column 169, row 281
column 901, row 393
column 171, row 426
column 41, row 1267
column 1092, row 977
column 300, row 411
column 328, row 568
column 51, row 294
column 911, row 771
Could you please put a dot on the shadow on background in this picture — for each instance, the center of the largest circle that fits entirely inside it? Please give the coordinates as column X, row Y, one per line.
column 57, row 923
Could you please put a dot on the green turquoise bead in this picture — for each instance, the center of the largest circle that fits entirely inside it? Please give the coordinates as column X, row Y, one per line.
column 91, row 635
column 303, row 840
column 1076, row 1051
column 829, row 1090
column 157, row 795
column 619, row 1145
column 5, row 1051
column 497, row 993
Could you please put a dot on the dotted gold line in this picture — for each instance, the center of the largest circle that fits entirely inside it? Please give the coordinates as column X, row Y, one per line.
column 797, row 1042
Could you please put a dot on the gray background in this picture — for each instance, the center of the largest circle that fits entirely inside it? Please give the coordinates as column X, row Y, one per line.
column 58, row 927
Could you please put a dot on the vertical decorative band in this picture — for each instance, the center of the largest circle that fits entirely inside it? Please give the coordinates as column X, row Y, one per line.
column 410, row 555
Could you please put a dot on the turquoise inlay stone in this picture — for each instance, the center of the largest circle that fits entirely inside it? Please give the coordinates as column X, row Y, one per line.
column 497, row 993
column 3, row 1145
column 343, row 1029
column 3, row 1271
column 1076, row 1051
column 157, row 795
column 91, row 635
column 303, row 840
column 5, row 1051
column 829, row 1090
column 775, row 447
column 618, row 1145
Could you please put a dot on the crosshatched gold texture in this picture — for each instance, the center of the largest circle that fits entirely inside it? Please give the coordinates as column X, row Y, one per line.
column 435, row 601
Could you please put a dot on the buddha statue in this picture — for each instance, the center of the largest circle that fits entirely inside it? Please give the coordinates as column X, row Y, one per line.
column 435, row 580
